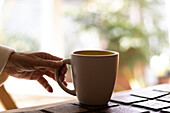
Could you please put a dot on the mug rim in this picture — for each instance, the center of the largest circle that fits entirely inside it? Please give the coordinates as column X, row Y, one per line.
column 114, row 53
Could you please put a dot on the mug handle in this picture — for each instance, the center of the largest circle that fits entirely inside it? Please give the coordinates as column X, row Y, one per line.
column 57, row 76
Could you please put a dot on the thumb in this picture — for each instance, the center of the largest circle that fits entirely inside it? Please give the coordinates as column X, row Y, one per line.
column 49, row 64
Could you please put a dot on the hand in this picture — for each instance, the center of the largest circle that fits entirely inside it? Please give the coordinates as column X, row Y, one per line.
column 33, row 66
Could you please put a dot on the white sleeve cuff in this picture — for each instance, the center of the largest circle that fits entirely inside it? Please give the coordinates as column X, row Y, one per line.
column 5, row 52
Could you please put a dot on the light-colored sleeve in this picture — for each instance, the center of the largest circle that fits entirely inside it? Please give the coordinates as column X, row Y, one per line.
column 5, row 52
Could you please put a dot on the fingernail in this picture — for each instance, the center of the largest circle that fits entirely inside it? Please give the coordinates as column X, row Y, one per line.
column 61, row 58
column 65, row 83
column 49, row 89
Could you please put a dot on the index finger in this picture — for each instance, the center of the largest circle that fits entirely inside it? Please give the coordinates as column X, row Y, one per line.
column 47, row 56
column 48, row 64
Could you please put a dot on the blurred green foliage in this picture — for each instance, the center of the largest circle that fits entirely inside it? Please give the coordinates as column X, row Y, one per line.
column 131, row 27
column 20, row 42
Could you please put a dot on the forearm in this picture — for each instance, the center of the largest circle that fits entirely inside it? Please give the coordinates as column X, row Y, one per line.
column 5, row 53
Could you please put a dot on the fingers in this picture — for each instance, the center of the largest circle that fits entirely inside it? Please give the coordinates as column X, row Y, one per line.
column 62, row 73
column 63, row 69
column 36, row 74
column 50, row 74
column 65, row 83
column 46, row 56
column 47, row 64
column 45, row 84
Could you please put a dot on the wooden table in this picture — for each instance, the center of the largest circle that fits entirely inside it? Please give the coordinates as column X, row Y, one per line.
column 73, row 106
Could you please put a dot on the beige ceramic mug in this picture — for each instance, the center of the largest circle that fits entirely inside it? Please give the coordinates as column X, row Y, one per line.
column 94, row 73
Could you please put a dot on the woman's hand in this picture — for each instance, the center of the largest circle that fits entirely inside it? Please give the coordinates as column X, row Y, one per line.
column 33, row 66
